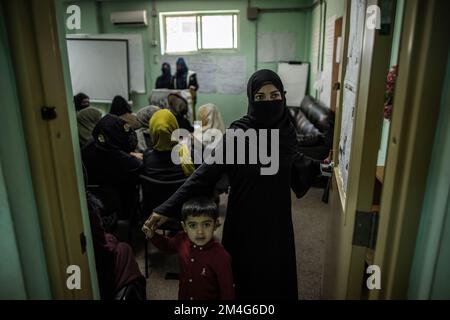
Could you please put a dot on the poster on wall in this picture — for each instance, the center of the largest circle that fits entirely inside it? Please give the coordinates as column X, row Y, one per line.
column 231, row 74
column 327, row 72
column 215, row 74
column 315, row 55
column 350, row 90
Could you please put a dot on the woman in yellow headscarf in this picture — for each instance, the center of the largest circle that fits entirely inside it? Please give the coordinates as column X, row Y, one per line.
column 157, row 161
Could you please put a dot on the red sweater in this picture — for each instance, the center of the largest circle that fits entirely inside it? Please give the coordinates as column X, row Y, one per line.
column 205, row 270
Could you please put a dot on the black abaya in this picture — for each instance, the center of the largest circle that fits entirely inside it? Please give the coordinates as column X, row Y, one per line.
column 258, row 231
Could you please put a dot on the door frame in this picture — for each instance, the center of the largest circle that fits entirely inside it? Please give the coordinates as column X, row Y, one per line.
column 413, row 128
column 37, row 63
column 347, row 261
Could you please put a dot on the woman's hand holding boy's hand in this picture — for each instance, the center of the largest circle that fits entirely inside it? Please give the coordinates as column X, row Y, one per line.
column 148, row 232
column 152, row 223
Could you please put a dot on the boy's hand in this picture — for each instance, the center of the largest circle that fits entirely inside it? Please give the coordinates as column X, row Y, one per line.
column 137, row 155
column 148, row 232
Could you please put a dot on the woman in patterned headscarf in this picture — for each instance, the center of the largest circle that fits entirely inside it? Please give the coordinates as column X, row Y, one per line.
column 179, row 107
column 144, row 115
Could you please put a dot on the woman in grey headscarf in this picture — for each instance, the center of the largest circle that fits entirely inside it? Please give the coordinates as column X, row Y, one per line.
column 87, row 119
column 144, row 115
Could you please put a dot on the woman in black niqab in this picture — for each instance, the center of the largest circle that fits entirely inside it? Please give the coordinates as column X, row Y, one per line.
column 110, row 165
column 119, row 106
column 164, row 81
column 258, row 231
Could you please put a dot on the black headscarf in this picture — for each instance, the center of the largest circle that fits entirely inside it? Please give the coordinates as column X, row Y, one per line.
column 119, row 106
column 78, row 101
column 181, row 74
column 112, row 132
column 268, row 114
column 164, row 81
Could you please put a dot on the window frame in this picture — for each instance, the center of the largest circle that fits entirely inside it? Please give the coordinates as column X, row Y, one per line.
column 198, row 29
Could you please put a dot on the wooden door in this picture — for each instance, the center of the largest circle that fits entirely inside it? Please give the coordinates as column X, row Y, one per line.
column 55, row 168
column 359, row 115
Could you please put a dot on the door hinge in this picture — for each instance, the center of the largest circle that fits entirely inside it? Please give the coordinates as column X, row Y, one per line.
column 83, row 242
column 366, row 229
column 48, row 113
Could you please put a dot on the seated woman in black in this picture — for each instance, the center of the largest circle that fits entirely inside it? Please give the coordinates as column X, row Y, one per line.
column 121, row 108
column 158, row 163
column 110, row 163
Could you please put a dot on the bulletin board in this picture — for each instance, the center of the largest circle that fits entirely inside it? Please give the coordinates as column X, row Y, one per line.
column 350, row 89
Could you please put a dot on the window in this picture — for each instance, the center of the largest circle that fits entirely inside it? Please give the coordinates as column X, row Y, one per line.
column 199, row 31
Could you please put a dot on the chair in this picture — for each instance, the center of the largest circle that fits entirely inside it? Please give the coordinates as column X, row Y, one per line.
column 109, row 222
column 154, row 193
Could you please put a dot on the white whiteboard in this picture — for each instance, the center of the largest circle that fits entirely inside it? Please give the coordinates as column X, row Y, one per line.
column 294, row 78
column 99, row 68
column 136, row 59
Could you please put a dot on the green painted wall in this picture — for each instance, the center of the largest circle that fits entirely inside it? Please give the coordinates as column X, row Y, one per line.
column 89, row 16
column 231, row 106
column 430, row 275
column 318, row 18
column 11, row 273
column 23, row 271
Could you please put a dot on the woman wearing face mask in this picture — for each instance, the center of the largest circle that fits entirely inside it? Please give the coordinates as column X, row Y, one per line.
column 81, row 101
column 164, row 81
column 111, row 164
column 185, row 79
column 258, row 231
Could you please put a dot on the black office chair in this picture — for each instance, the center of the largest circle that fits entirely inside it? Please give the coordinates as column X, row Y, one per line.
column 109, row 221
column 154, row 193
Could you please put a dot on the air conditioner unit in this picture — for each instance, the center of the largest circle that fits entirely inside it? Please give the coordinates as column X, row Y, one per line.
column 137, row 18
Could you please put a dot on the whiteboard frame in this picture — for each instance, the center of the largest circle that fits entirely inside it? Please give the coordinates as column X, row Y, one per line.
column 68, row 38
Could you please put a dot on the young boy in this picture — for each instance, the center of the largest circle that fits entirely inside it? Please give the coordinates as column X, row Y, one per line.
column 205, row 266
